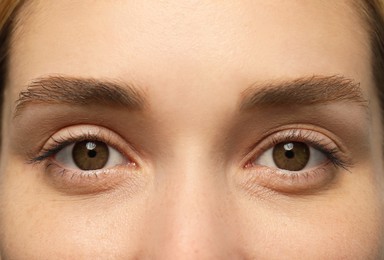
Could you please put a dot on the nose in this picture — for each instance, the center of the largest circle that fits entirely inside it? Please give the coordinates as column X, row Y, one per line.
column 191, row 216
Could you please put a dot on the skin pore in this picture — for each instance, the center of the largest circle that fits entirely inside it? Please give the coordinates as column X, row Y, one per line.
column 191, row 97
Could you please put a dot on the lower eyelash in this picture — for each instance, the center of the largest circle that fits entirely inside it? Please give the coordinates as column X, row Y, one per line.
column 289, row 183
column 89, row 182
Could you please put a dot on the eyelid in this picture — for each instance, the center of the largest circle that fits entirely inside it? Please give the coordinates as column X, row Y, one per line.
column 77, row 182
column 69, row 135
column 312, row 137
column 304, row 181
column 284, row 182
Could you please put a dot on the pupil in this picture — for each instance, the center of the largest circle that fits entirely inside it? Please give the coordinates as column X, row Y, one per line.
column 289, row 154
column 92, row 153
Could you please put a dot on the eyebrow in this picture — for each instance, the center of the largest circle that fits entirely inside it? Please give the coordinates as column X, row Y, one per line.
column 303, row 91
column 87, row 91
column 80, row 92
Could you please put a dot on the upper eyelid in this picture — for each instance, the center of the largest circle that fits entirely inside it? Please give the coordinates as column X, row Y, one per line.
column 292, row 130
column 60, row 140
column 310, row 136
column 318, row 142
column 63, row 143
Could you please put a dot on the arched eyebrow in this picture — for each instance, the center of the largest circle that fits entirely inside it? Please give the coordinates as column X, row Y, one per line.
column 85, row 91
column 303, row 91
column 80, row 92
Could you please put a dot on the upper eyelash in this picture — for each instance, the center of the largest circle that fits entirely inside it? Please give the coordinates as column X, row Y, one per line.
column 306, row 136
column 293, row 134
column 63, row 142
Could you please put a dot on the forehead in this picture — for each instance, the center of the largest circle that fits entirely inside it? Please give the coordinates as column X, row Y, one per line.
column 190, row 44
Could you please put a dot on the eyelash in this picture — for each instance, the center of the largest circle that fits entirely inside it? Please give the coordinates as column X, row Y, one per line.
column 76, row 181
column 56, row 144
column 309, row 137
column 62, row 142
column 304, row 178
column 292, row 181
column 292, row 135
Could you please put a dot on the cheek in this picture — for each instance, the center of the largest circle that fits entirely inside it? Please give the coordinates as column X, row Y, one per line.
column 343, row 224
column 36, row 221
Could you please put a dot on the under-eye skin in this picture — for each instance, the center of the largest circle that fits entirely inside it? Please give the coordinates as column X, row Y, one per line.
column 295, row 161
column 86, row 159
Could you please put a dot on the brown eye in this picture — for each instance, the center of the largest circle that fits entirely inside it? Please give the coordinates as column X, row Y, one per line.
column 90, row 155
column 292, row 156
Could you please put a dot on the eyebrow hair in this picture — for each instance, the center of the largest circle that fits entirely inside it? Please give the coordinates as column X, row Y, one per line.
column 303, row 91
column 88, row 91
column 80, row 92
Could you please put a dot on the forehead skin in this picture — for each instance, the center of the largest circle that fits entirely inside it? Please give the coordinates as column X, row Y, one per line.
column 193, row 59
column 145, row 40
column 190, row 47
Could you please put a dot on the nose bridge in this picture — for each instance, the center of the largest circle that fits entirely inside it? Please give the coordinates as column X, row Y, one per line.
column 190, row 208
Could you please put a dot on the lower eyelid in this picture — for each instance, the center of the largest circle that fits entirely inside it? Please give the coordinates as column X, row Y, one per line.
column 78, row 182
column 290, row 182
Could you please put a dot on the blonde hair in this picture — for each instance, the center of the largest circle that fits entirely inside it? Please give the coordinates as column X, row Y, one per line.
column 7, row 11
column 373, row 10
column 7, row 8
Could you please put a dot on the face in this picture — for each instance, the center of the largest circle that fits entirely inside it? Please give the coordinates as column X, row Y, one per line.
column 191, row 129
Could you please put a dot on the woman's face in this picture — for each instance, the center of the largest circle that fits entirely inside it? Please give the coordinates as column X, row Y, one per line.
column 191, row 129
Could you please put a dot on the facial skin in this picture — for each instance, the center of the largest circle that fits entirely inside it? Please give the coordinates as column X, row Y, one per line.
column 205, row 91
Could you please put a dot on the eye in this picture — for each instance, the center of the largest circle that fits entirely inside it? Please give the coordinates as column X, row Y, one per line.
column 291, row 156
column 295, row 161
column 89, row 155
column 88, row 159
